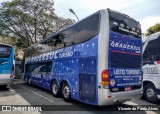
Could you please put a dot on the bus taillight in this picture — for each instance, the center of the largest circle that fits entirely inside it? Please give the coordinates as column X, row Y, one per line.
column 105, row 77
column 12, row 72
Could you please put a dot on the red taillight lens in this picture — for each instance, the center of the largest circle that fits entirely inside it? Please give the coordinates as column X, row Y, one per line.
column 105, row 77
column 12, row 72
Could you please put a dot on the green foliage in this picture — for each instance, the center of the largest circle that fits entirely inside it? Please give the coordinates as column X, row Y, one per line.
column 7, row 40
column 153, row 29
column 29, row 21
column 19, row 43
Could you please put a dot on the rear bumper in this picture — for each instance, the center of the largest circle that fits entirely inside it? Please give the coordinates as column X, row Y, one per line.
column 6, row 80
column 118, row 97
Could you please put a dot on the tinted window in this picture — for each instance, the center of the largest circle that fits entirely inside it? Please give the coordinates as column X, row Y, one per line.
column 68, row 37
column 36, row 68
column 124, row 25
column 121, row 60
column 45, row 68
column 152, row 51
column 42, row 69
column 5, row 51
column 65, row 38
column 31, row 67
column 87, row 29
column 81, row 32
column 49, row 67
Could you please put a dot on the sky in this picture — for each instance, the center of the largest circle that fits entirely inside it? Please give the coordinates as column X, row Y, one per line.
column 147, row 12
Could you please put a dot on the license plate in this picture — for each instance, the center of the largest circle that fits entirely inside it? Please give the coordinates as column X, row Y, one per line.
column 127, row 88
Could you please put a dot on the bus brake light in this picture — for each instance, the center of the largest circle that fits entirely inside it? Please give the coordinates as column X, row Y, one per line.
column 105, row 77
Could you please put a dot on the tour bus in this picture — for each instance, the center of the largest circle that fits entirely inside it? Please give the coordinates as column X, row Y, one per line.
column 7, row 64
column 97, row 60
column 151, row 67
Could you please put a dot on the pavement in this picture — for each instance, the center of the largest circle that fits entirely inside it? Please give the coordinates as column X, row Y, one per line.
column 22, row 94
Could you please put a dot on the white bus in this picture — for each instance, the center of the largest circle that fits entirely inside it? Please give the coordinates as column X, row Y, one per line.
column 7, row 64
column 151, row 67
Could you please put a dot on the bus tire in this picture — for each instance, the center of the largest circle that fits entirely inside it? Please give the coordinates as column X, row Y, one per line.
column 150, row 93
column 55, row 89
column 66, row 92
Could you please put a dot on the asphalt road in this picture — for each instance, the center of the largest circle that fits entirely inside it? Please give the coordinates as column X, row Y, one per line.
column 23, row 94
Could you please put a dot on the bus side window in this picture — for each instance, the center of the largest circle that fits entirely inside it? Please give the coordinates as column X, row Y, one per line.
column 58, row 41
column 49, row 67
column 65, row 38
column 42, row 69
column 152, row 51
column 45, row 68
column 87, row 29
column 68, row 36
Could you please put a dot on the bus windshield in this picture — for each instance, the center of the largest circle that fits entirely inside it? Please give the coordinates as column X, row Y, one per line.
column 124, row 25
column 5, row 51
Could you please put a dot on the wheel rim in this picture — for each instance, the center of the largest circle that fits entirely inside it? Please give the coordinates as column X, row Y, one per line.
column 66, row 91
column 150, row 93
column 54, row 88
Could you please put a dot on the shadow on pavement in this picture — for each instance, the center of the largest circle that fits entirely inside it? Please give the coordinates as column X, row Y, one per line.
column 69, row 108
column 3, row 88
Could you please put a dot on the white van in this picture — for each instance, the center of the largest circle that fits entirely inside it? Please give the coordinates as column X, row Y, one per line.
column 151, row 67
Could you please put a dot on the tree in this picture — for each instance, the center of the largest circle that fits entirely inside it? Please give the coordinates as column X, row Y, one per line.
column 29, row 20
column 7, row 40
column 153, row 29
column 12, row 41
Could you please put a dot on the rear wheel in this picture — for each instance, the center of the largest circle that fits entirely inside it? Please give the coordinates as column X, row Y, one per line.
column 55, row 89
column 66, row 92
column 150, row 93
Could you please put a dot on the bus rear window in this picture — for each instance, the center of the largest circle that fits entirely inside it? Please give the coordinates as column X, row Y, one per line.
column 124, row 25
column 5, row 51
column 120, row 60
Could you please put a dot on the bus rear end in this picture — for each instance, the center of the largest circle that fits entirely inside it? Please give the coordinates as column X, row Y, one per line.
column 6, row 64
column 121, row 77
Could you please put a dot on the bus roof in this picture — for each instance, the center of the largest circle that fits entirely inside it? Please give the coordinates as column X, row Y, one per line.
column 6, row 45
column 151, row 37
column 84, row 19
column 52, row 35
column 122, row 14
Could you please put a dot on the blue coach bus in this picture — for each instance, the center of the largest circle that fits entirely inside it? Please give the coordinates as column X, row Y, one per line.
column 7, row 63
column 96, row 61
